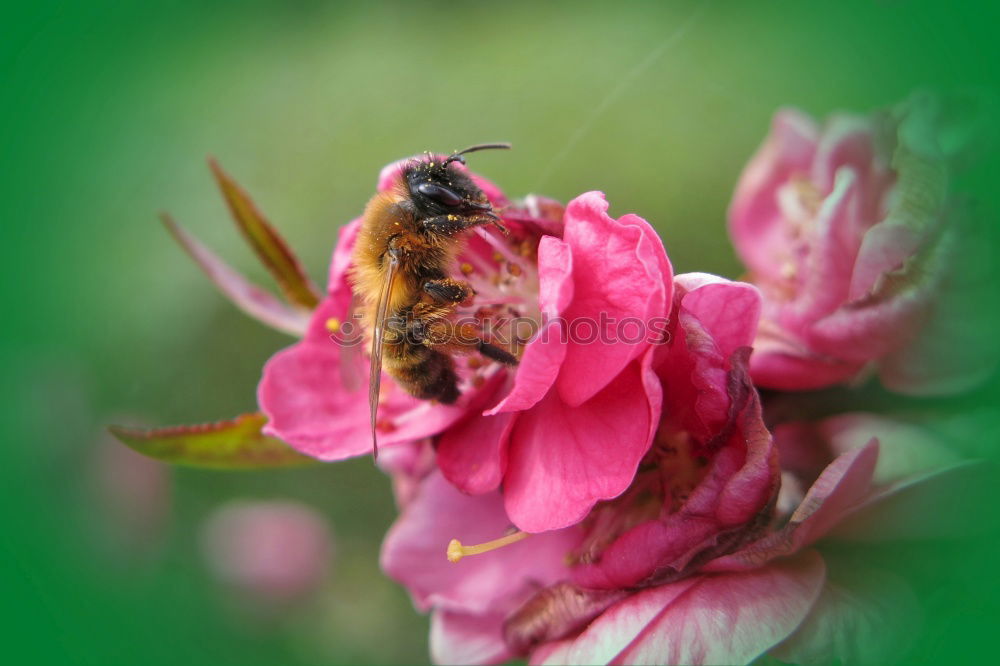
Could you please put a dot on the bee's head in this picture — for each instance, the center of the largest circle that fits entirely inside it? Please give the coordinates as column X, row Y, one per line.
column 437, row 187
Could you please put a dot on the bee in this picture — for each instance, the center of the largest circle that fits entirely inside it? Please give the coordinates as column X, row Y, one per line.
column 406, row 246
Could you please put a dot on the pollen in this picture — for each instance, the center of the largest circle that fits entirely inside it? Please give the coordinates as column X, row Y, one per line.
column 514, row 269
column 333, row 325
column 456, row 551
column 467, row 268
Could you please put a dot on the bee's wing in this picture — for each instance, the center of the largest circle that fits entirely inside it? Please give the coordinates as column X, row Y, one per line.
column 381, row 310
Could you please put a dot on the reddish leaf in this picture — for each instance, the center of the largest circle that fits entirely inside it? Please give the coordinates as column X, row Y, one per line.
column 265, row 241
column 237, row 444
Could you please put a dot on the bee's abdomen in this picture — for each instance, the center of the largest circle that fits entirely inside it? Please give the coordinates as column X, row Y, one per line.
column 428, row 375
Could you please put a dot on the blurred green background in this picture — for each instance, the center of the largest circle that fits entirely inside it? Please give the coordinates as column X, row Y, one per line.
column 107, row 115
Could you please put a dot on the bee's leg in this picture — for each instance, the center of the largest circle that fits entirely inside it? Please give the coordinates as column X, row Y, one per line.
column 452, row 224
column 448, row 290
column 457, row 338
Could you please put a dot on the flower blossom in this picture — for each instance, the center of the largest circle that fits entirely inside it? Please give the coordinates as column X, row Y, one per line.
column 274, row 552
column 563, row 431
column 868, row 479
column 850, row 232
column 706, row 486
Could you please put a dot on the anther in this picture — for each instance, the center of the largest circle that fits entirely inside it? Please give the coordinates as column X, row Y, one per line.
column 333, row 325
column 456, row 551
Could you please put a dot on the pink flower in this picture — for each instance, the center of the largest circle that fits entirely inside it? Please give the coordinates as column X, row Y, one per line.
column 562, row 432
column 273, row 552
column 776, row 593
column 706, row 487
column 849, row 232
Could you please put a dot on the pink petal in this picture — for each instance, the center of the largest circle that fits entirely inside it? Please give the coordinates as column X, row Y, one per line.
column 620, row 274
column 553, row 652
column 564, row 459
column 314, row 395
column 862, row 616
column 825, row 273
column 342, row 259
column 839, row 489
column 464, row 638
column 846, row 141
column 756, row 224
column 779, row 362
column 618, row 626
column 544, row 355
column 730, row 619
column 724, row 509
column 841, row 485
column 414, row 551
column 729, row 310
column 472, row 454
column 253, row 300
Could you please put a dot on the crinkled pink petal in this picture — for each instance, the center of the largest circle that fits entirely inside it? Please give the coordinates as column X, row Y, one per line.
column 544, row 355
column 730, row 310
column 862, row 616
column 620, row 274
column 755, row 220
column 414, row 551
column 721, row 511
column 472, row 454
column 730, row 619
column 315, row 396
column 564, row 459
column 838, row 490
column 464, row 638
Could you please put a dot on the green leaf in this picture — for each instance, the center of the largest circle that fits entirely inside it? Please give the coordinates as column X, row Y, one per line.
column 236, row 445
column 266, row 242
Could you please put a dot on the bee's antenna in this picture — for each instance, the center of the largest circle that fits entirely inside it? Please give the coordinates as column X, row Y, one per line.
column 457, row 155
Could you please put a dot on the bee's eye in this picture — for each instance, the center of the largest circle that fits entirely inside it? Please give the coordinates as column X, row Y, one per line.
column 442, row 195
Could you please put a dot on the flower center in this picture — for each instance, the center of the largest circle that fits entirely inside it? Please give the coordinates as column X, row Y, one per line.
column 504, row 274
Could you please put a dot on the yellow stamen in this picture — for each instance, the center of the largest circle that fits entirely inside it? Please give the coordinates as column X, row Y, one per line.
column 333, row 325
column 456, row 551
